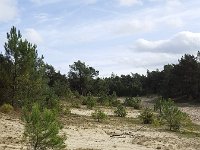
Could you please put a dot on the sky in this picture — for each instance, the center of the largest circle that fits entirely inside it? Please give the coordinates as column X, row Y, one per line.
column 119, row 36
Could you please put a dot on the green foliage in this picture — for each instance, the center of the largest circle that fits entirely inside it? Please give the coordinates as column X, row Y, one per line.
column 103, row 100
column 42, row 129
column 76, row 103
column 115, row 103
column 99, row 115
column 173, row 116
column 134, row 102
column 159, row 105
column 81, row 77
column 66, row 111
column 147, row 116
column 113, row 100
column 6, row 108
column 170, row 114
column 120, row 111
column 91, row 102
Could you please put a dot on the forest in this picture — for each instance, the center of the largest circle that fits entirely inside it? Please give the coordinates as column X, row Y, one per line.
column 25, row 78
column 43, row 98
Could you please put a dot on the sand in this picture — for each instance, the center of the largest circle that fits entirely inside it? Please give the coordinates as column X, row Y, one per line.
column 85, row 133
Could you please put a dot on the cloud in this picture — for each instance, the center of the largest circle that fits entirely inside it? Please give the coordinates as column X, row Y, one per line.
column 130, row 2
column 8, row 10
column 33, row 36
column 181, row 42
column 45, row 2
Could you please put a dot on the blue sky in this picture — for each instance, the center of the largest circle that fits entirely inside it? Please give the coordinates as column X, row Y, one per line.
column 120, row 36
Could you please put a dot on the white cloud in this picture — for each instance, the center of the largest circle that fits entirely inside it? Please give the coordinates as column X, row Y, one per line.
column 130, row 2
column 181, row 42
column 44, row 2
column 33, row 36
column 8, row 10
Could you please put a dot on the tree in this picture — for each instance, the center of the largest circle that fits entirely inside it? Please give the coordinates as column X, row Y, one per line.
column 81, row 76
column 42, row 129
column 58, row 82
column 5, row 79
column 26, row 73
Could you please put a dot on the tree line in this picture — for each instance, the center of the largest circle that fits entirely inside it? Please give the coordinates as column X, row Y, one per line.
column 25, row 78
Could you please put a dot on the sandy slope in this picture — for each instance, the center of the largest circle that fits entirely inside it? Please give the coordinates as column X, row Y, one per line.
column 83, row 132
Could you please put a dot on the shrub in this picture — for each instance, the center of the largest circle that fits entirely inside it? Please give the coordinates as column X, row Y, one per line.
column 147, row 116
column 161, row 103
column 133, row 102
column 99, row 115
column 76, row 104
column 104, row 100
column 113, row 100
column 84, row 100
column 116, row 103
column 170, row 114
column 91, row 102
column 158, row 105
column 41, row 129
column 6, row 108
column 120, row 111
column 174, row 117
column 66, row 111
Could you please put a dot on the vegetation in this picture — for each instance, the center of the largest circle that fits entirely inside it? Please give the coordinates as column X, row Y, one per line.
column 91, row 102
column 26, row 81
column 42, row 129
column 147, row 116
column 6, row 108
column 120, row 111
column 133, row 102
column 171, row 115
column 99, row 115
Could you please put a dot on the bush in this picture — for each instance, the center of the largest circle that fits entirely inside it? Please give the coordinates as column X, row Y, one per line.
column 66, row 111
column 99, row 115
column 174, row 117
column 104, row 100
column 76, row 104
column 171, row 115
column 41, row 129
column 6, row 108
column 133, row 102
column 147, row 116
column 91, row 102
column 121, row 111
column 161, row 103
column 116, row 103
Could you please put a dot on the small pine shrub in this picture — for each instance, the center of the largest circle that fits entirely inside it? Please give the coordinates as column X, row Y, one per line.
column 158, row 105
column 147, row 116
column 174, row 118
column 6, row 108
column 42, row 129
column 76, row 94
column 84, row 100
column 99, row 115
column 170, row 114
column 91, row 102
column 133, row 102
column 116, row 103
column 66, row 111
column 103, row 100
column 161, row 103
column 76, row 104
column 120, row 111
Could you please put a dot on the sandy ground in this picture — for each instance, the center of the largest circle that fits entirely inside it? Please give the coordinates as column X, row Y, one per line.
column 114, row 134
